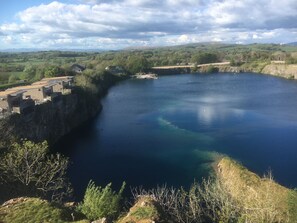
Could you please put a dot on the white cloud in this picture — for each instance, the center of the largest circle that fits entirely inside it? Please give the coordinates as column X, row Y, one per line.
column 8, row 39
column 118, row 23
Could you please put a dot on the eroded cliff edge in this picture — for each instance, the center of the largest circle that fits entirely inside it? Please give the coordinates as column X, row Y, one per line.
column 52, row 120
column 49, row 121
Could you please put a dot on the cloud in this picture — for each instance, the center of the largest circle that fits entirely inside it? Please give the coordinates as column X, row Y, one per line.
column 8, row 40
column 253, row 14
column 117, row 23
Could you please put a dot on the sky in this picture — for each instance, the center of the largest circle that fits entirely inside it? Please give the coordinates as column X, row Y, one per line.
column 117, row 24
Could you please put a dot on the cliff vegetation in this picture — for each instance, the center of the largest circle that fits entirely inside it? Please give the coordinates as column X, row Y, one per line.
column 234, row 195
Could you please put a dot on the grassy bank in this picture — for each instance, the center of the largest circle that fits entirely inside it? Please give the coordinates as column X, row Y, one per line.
column 236, row 195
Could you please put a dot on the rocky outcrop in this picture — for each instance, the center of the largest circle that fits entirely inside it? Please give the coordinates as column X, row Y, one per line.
column 283, row 70
column 51, row 120
column 288, row 71
column 223, row 69
column 276, row 69
column 145, row 210
column 203, row 69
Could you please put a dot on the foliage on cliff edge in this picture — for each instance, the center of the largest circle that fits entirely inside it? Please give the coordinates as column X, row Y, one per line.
column 27, row 169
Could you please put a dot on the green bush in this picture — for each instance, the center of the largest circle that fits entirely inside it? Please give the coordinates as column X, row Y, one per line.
column 212, row 69
column 13, row 78
column 101, row 202
column 145, row 212
column 23, row 168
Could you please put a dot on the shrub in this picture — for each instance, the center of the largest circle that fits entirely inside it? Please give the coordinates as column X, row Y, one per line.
column 180, row 205
column 212, row 69
column 205, row 202
column 23, row 168
column 101, row 202
column 144, row 212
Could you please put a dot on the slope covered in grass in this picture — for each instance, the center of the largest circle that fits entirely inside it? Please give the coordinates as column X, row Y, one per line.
column 260, row 198
column 32, row 210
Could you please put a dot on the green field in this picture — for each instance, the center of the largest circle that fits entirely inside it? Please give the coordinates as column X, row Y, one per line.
column 32, row 66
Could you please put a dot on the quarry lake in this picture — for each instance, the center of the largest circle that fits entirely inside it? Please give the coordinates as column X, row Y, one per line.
column 170, row 130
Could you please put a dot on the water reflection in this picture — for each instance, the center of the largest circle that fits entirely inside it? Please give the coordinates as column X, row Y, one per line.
column 206, row 114
column 170, row 130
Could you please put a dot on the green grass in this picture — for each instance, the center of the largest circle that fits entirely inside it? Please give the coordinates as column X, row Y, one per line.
column 292, row 203
column 145, row 212
column 35, row 210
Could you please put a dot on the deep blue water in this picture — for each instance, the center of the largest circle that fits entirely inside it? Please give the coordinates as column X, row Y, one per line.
column 169, row 130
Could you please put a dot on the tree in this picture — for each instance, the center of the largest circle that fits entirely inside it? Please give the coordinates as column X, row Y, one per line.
column 28, row 72
column 137, row 64
column 203, row 58
column 13, row 78
column 87, row 83
column 29, row 168
column 39, row 74
column 52, row 71
column 212, row 69
column 101, row 202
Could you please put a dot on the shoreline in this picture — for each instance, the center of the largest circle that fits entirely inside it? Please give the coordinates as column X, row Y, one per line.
column 288, row 71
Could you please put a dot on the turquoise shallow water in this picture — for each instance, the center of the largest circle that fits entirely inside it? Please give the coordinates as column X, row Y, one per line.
column 169, row 130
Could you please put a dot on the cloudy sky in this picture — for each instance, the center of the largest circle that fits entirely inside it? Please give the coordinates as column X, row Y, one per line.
column 116, row 24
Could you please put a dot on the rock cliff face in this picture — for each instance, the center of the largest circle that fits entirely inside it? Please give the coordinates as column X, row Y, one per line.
column 283, row 70
column 50, row 121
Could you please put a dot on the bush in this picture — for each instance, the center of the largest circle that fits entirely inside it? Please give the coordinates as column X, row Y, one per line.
column 180, row 205
column 209, row 201
column 28, row 170
column 204, row 58
column 13, row 78
column 212, row 69
column 101, row 202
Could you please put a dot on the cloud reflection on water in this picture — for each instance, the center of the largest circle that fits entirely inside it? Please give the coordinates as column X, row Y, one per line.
column 217, row 107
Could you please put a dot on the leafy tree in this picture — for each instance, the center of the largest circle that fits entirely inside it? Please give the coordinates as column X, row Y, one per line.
column 52, row 71
column 4, row 78
column 29, row 168
column 13, row 78
column 212, row 69
column 291, row 60
column 101, row 202
column 137, row 64
column 28, row 72
column 203, row 58
column 86, row 82
column 39, row 74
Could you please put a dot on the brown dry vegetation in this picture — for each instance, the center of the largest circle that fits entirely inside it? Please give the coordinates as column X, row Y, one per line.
column 261, row 199
column 145, row 210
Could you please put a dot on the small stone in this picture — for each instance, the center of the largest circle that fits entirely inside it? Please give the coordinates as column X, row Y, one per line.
column 102, row 220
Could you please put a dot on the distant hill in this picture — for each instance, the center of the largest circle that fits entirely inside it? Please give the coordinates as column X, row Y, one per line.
column 29, row 50
column 292, row 44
